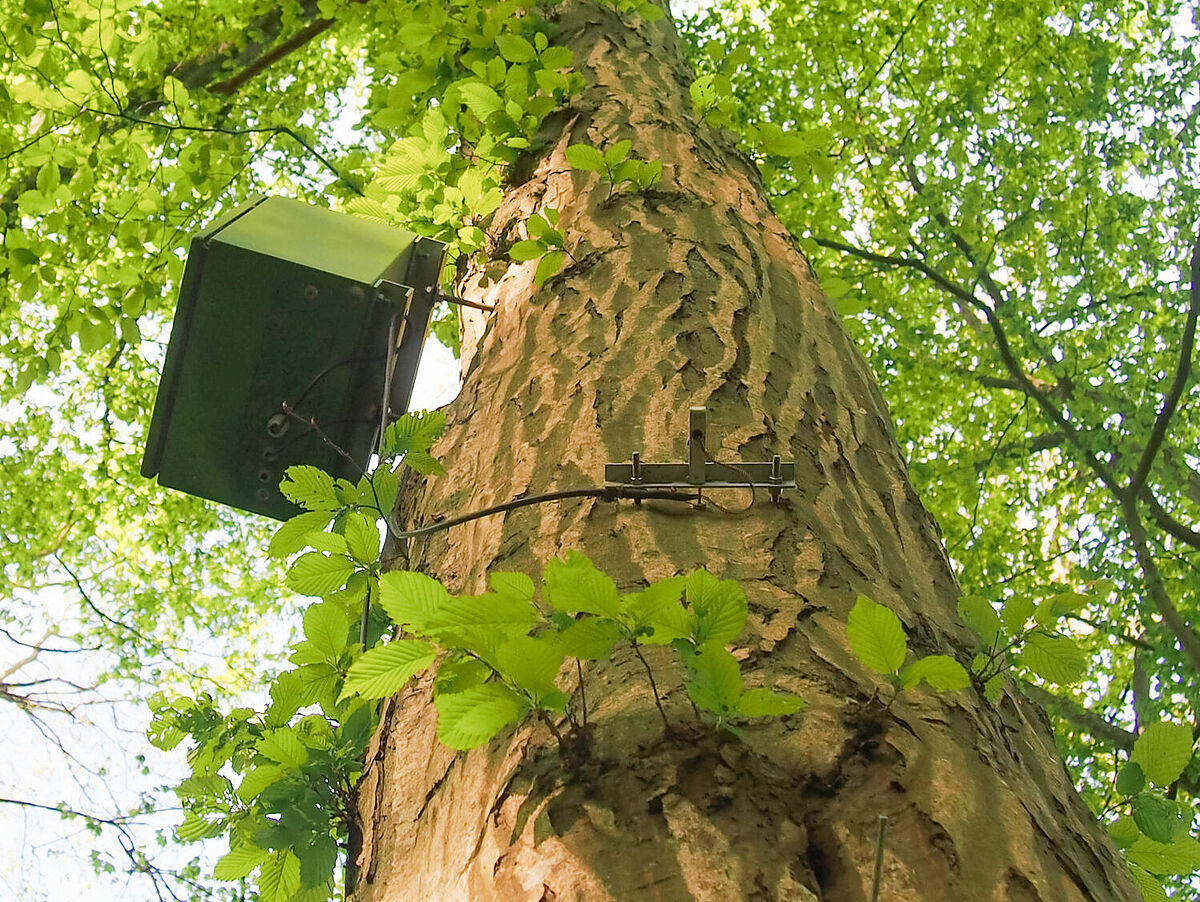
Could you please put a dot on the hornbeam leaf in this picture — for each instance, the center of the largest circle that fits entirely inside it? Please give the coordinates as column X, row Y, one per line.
column 381, row 672
column 290, row 537
column 512, row 584
column 548, row 266
column 470, row 718
column 318, row 574
column 941, row 672
column 714, row 680
column 480, row 99
column 327, row 628
column 238, row 862
column 1055, row 658
column 279, row 878
column 585, row 157
column 515, row 48
column 527, row 249
column 876, row 636
column 531, row 662
column 574, row 586
column 411, row 599
column 283, row 747
column 591, row 638
column 719, row 605
column 309, row 487
column 362, row 537
column 765, row 703
column 980, row 616
column 1150, row 887
column 1182, row 856
column 258, row 779
column 1163, row 751
column 1156, row 817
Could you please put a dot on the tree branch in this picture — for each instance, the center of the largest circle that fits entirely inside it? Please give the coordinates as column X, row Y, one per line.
column 1182, row 371
column 1072, row 711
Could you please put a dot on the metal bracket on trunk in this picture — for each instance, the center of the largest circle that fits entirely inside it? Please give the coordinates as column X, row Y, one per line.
column 701, row 471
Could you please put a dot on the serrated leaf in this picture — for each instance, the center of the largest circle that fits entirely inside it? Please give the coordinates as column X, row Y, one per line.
column 876, row 636
column 617, row 152
column 290, row 537
column 556, row 57
column 530, row 662
column 642, row 607
column 941, row 672
column 415, row 431
column 547, row 267
column 590, row 639
column 1055, row 658
column 714, row 680
column 527, row 249
column 1181, row 856
column 1155, row 817
column 512, row 584
column 1016, row 611
column 330, row 542
column 515, row 48
column 1130, row 779
column 380, row 490
column 317, row 574
column 282, row 746
column 1059, row 606
column 585, row 157
column 195, row 828
column 480, row 99
column 1151, row 889
column 981, row 617
column 411, row 599
column 362, row 537
column 424, row 463
column 765, row 703
column 383, row 671
column 258, row 779
column 239, row 861
column 481, row 620
column 1123, row 831
column 993, row 687
column 470, row 718
column 573, row 585
column 279, row 878
column 1163, row 751
column 319, row 860
column 456, row 674
column 719, row 606
column 309, row 487
column 327, row 629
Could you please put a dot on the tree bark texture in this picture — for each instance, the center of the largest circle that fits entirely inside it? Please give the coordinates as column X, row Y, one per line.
column 689, row 294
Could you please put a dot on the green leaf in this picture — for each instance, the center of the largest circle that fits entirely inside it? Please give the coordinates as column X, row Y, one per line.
column 317, row 574
column 617, row 152
column 327, row 629
column 1130, row 779
column 383, row 671
column 1163, row 751
column 380, row 490
column 480, row 99
column 532, row 663
column 993, row 687
column 719, row 606
column 1156, row 817
column 765, row 703
column 556, row 57
column 585, row 157
column 527, row 249
column 547, row 267
column 980, row 616
column 591, row 638
column 411, row 599
column 714, row 680
column 290, row 537
column 258, row 779
column 279, row 878
column 362, row 537
column 195, row 828
column 642, row 607
column 470, row 718
column 1016, row 611
column 415, row 431
column 424, row 463
column 1059, row 606
column 1151, row 889
column 310, row 487
column 515, row 48
column 512, row 584
column 331, row 542
column 481, row 621
column 1178, row 857
column 239, row 861
column 318, row 861
column 876, row 636
column 573, row 585
column 283, row 747
column 941, row 672
column 1055, row 658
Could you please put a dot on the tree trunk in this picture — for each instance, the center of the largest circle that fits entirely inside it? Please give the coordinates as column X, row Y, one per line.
column 692, row 294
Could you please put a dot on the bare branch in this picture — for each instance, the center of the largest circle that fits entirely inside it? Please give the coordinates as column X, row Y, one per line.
column 1080, row 716
column 1182, row 371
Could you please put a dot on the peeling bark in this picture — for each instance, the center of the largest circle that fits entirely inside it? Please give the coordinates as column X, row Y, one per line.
column 693, row 293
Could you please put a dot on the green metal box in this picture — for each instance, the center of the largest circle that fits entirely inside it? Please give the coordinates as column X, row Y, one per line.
column 279, row 350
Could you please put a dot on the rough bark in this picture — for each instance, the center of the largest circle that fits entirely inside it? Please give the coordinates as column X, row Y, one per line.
column 694, row 294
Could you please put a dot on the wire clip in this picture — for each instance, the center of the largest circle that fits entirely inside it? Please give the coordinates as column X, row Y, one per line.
column 701, row 471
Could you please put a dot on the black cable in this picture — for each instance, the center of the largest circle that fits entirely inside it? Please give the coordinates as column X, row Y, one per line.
column 607, row 493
